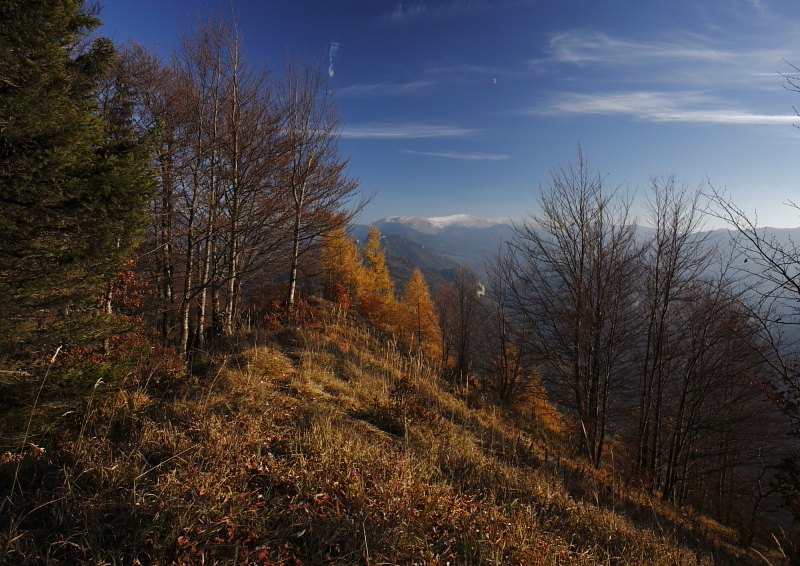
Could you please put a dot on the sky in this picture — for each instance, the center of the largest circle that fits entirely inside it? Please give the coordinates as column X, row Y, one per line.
column 466, row 106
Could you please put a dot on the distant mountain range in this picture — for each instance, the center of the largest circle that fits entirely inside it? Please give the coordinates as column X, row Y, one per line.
column 438, row 245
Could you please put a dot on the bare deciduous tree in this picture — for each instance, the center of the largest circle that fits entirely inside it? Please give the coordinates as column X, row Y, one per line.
column 249, row 179
column 461, row 315
column 574, row 273
column 509, row 364
column 675, row 256
column 771, row 261
column 313, row 177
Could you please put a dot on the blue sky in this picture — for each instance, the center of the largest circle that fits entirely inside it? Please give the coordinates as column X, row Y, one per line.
column 465, row 106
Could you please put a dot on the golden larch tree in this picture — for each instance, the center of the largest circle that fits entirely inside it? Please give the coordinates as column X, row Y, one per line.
column 377, row 303
column 344, row 272
column 420, row 325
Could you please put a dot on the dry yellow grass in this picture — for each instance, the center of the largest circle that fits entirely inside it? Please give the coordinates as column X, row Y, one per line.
column 327, row 446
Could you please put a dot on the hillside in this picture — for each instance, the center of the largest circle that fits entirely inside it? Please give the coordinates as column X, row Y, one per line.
column 325, row 445
column 465, row 240
column 200, row 366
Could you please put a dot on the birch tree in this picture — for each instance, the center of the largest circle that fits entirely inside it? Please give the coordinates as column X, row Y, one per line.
column 219, row 217
column 313, row 177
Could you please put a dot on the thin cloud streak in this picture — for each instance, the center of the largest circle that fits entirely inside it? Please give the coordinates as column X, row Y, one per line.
column 660, row 107
column 436, row 77
column 461, row 156
column 579, row 48
column 689, row 59
column 400, row 15
column 403, row 131
column 385, row 89
column 420, row 10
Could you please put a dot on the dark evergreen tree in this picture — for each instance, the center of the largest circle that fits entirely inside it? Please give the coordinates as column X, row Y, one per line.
column 73, row 175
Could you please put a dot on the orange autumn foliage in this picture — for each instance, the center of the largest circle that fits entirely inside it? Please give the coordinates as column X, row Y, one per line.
column 343, row 268
column 419, row 325
column 376, row 302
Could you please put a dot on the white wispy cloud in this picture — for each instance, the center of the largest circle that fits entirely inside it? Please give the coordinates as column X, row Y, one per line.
column 331, row 54
column 387, row 88
column 758, row 5
column 401, row 15
column 405, row 14
column 470, row 73
column 660, row 107
column 403, row 131
column 461, row 156
column 595, row 47
column 685, row 59
column 432, row 76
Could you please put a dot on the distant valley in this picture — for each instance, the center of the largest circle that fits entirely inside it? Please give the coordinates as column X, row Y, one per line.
column 439, row 245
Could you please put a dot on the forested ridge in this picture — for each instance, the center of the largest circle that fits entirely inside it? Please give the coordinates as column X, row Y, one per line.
column 200, row 364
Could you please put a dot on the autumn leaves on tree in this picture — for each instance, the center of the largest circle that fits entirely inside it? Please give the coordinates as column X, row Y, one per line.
column 360, row 278
column 249, row 178
column 420, row 329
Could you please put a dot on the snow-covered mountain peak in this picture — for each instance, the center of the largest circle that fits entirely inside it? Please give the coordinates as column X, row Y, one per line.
column 436, row 224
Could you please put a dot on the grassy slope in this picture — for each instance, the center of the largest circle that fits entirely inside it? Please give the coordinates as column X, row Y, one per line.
column 325, row 446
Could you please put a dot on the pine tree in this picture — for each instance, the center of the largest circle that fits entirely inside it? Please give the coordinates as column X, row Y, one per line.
column 420, row 326
column 73, row 175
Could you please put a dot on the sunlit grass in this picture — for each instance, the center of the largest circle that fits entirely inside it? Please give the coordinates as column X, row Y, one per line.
column 326, row 445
